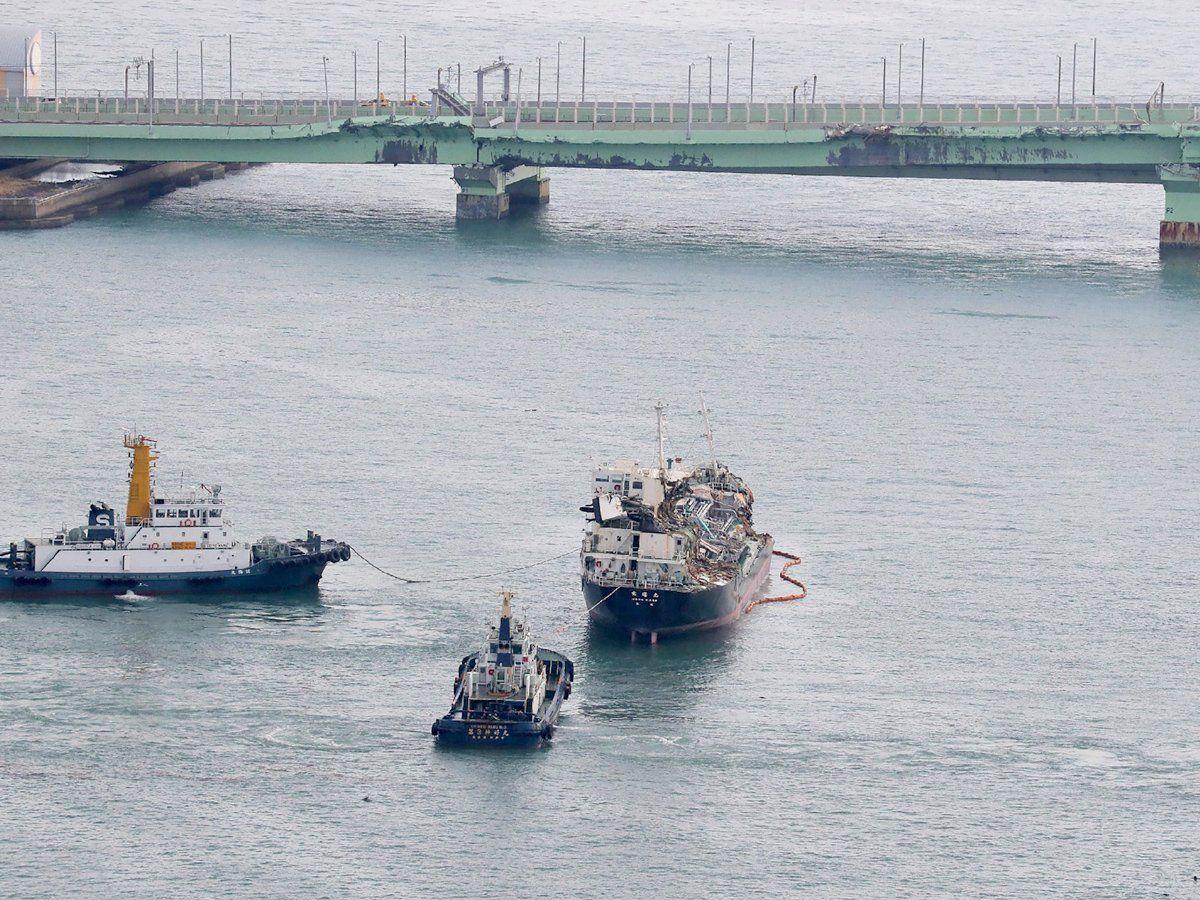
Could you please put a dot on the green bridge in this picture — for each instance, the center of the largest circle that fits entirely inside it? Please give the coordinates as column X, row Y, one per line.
column 500, row 151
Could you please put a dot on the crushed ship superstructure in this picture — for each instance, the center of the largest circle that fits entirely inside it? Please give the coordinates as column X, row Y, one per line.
column 165, row 543
column 671, row 548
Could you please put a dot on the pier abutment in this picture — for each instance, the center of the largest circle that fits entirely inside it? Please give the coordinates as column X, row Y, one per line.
column 487, row 192
column 1180, row 226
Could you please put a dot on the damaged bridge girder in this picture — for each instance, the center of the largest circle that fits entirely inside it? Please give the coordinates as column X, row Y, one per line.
column 1141, row 152
column 1099, row 154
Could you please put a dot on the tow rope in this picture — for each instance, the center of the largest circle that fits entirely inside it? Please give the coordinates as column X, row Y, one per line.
column 792, row 560
column 540, row 562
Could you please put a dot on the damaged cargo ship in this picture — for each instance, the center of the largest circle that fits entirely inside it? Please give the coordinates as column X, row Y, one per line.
column 671, row 548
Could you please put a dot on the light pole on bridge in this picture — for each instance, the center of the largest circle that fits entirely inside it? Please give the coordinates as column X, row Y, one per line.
column 728, row 60
column 328, row 108
column 1074, row 57
column 689, row 102
column 1093, row 70
column 921, row 98
column 583, row 76
column 751, row 71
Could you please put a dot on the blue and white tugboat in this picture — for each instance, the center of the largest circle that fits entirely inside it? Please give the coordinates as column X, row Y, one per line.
column 671, row 548
column 164, row 544
column 509, row 692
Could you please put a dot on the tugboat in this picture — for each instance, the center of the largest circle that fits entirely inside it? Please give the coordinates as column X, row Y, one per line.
column 165, row 544
column 671, row 548
column 509, row 692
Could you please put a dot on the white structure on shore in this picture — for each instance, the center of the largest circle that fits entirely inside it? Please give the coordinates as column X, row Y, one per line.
column 20, row 61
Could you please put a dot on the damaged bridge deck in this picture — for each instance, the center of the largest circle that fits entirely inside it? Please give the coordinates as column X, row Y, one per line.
column 1100, row 143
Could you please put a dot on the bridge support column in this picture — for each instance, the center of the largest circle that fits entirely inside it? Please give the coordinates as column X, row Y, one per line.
column 1180, row 226
column 486, row 192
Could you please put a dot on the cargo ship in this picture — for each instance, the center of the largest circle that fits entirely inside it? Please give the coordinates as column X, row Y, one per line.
column 509, row 692
column 671, row 548
column 164, row 544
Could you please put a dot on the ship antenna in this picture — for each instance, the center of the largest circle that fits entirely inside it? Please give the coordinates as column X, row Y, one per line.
column 712, row 453
column 660, row 408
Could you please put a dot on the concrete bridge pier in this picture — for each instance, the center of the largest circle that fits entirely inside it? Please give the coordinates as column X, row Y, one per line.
column 1180, row 226
column 486, row 192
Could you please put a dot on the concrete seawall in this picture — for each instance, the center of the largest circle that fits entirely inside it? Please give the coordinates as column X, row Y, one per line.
column 26, row 203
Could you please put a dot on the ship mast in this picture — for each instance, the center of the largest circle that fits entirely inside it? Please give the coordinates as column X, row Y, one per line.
column 137, row 509
column 660, row 408
column 504, row 654
column 712, row 453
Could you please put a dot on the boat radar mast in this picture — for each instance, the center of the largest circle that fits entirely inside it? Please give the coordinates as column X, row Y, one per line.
column 712, row 453
column 660, row 409
column 137, row 509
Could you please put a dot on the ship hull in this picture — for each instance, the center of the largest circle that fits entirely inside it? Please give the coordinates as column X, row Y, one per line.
column 658, row 611
column 264, row 576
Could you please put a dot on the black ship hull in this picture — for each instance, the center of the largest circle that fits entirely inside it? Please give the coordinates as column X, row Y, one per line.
column 659, row 611
column 302, row 570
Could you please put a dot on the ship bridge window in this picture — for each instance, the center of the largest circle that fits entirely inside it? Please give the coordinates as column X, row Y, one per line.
column 172, row 514
column 159, row 514
column 637, row 485
column 214, row 514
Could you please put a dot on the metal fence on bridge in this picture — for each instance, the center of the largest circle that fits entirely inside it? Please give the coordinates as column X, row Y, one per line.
column 595, row 114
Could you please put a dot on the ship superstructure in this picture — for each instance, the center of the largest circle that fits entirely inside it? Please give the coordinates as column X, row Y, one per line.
column 510, row 690
column 671, row 547
column 165, row 542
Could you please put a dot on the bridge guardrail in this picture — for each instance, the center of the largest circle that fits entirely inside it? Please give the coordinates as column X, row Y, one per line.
column 595, row 114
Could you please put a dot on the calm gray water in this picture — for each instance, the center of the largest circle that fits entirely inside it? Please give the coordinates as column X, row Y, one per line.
column 972, row 408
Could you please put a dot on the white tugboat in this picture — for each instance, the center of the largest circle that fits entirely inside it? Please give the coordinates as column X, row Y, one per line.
column 671, row 548
column 510, row 691
column 163, row 544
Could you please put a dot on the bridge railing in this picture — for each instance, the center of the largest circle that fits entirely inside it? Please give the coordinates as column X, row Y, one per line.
column 140, row 110
column 782, row 114
column 654, row 114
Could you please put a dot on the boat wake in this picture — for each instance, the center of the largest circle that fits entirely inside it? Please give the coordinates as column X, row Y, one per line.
column 132, row 597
